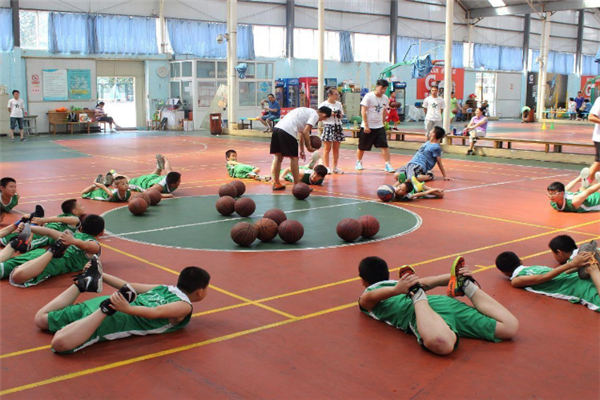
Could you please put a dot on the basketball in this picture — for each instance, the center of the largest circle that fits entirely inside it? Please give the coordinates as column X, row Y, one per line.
column 370, row 226
column 315, row 142
column 144, row 196
column 394, row 104
column 243, row 233
column 225, row 205
column 228, row 190
column 266, row 229
column 349, row 229
column 301, row 191
column 137, row 206
column 245, row 207
column 239, row 186
column 291, row 231
column 386, row 193
column 154, row 196
column 276, row 215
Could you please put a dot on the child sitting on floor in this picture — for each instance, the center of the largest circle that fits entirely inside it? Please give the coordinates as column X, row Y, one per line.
column 238, row 170
column 134, row 309
column 8, row 194
column 436, row 321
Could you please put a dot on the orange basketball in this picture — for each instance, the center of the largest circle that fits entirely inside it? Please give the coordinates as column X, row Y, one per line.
column 239, row 186
column 276, row 215
column 243, row 233
column 144, row 196
column 266, row 229
column 315, row 142
column 228, row 190
column 301, row 191
column 291, row 231
column 370, row 226
column 225, row 205
column 245, row 207
column 137, row 206
column 349, row 229
column 155, row 196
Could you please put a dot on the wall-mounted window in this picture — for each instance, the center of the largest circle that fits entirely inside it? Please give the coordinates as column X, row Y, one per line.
column 371, row 48
column 269, row 41
column 34, row 29
column 306, row 43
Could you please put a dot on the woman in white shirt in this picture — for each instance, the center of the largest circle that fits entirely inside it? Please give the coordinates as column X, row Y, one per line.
column 333, row 134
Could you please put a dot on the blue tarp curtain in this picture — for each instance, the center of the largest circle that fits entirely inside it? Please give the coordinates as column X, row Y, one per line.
column 501, row 58
column 558, row 63
column 6, row 29
column 346, row 53
column 590, row 66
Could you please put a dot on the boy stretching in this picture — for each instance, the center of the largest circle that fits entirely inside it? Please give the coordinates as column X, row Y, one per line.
column 562, row 199
column 100, row 191
column 236, row 169
column 165, row 184
column 436, row 321
column 72, row 210
column 413, row 189
column 581, row 287
column 69, row 253
column 9, row 198
column 309, row 173
column 134, row 309
column 428, row 155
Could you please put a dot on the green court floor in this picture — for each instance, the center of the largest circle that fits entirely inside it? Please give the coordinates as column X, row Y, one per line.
column 193, row 222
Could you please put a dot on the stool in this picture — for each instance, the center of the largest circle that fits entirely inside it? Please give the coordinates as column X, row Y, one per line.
column 30, row 125
column 243, row 125
column 251, row 120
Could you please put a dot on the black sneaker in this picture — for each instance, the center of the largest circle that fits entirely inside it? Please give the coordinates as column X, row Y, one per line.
column 38, row 213
column 99, row 179
column 160, row 161
column 430, row 175
column 22, row 243
column 90, row 280
column 58, row 249
column 128, row 293
column 109, row 179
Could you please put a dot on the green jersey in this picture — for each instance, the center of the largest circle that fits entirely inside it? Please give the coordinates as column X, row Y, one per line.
column 12, row 203
column 241, row 171
column 305, row 178
column 565, row 286
column 101, row 195
column 121, row 325
column 39, row 240
column 592, row 203
column 145, row 182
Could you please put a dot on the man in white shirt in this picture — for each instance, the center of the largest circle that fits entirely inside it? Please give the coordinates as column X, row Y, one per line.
column 373, row 109
column 293, row 130
column 434, row 107
column 16, row 108
column 595, row 118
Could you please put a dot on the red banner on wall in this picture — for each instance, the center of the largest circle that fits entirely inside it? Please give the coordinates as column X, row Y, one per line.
column 588, row 89
column 436, row 78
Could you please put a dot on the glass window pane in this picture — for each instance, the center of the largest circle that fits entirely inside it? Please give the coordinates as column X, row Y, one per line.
column 186, row 69
column 247, row 94
column 175, row 70
column 206, row 92
column 43, row 30
column 264, row 88
column 205, row 69
column 264, row 71
column 251, row 71
column 186, row 96
column 175, row 89
column 28, row 28
column 221, row 70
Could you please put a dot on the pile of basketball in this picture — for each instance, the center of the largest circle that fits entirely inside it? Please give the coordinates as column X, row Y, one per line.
column 228, row 204
column 139, row 202
column 350, row 229
column 266, row 229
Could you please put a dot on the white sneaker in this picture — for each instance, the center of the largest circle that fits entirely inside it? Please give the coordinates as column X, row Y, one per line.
column 389, row 168
column 338, row 171
column 358, row 166
column 584, row 175
column 328, row 171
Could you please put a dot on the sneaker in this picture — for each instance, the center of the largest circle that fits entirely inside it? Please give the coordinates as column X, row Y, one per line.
column 160, row 161
column 430, row 175
column 338, row 171
column 456, row 279
column 408, row 270
column 470, row 152
column 395, row 129
column 584, row 175
column 99, row 179
column 593, row 247
column 128, row 293
column 278, row 187
column 358, row 166
column 12, row 140
column 328, row 171
column 597, row 177
column 389, row 168
column 108, row 179
column 38, row 213
column 418, row 185
column 23, row 139
column 313, row 160
column 22, row 242
column 58, row 249
column 90, row 280
column 402, row 177
column 113, row 130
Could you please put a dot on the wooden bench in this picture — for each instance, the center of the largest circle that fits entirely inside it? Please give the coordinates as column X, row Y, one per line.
column 60, row 118
column 401, row 135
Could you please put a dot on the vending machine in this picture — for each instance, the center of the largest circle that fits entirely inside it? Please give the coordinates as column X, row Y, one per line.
column 279, row 92
column 291, row 91
column 400, row 89
column 310, row 88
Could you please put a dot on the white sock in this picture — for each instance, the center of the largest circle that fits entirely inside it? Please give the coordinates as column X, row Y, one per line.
column 418, row 296
column 469, row 288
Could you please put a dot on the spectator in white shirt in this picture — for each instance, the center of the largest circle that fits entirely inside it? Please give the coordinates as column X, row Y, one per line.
column 434, row 107
column 16, row 108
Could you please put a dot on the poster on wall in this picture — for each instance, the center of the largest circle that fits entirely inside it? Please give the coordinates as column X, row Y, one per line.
column 587, row 89
column 80, row 84
column 436, row 78
column 54, row 84
column 556, row 90
column 35, row 85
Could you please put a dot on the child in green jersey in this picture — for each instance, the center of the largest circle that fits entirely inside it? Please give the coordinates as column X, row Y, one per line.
column 312, row 173
column 8, row 194
column 414, row 189
column 238, row 170
column 584, row 200
column 101, row 192
column 581, row 287
column 436, row 321
column 134, row 309
column 166, row 184
column 69, row 253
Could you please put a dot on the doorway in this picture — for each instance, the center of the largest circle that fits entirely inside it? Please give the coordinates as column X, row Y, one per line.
column 118, row 95
column 485, row 88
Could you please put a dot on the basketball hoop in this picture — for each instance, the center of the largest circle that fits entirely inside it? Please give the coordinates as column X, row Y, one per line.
column 438, row 63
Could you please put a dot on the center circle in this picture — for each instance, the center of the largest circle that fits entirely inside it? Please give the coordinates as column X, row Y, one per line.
column 194, row 223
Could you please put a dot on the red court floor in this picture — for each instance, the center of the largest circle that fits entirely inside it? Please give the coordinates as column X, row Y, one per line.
column 286, row 325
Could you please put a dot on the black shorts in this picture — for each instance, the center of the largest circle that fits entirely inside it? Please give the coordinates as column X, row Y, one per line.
column 283, row 143
column 376, row 138
column 597, row 144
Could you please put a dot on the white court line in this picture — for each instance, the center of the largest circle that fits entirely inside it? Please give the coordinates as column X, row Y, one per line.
column 223, row 220
column 504, row 183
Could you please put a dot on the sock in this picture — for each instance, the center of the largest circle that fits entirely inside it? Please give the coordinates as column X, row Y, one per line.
column 418, row 296
column 469, row 288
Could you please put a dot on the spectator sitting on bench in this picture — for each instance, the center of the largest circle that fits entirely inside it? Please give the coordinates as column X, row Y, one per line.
column 102, row 117
column 585, row 109
column 470, row 105
column 271, row 114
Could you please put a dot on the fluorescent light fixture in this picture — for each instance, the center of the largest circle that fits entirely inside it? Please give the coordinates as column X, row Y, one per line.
column 497, row 3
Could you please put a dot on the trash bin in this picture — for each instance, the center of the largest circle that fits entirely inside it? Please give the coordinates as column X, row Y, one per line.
column 215, row 124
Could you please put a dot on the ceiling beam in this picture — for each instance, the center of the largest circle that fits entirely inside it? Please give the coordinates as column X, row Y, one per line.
column 527, row 9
